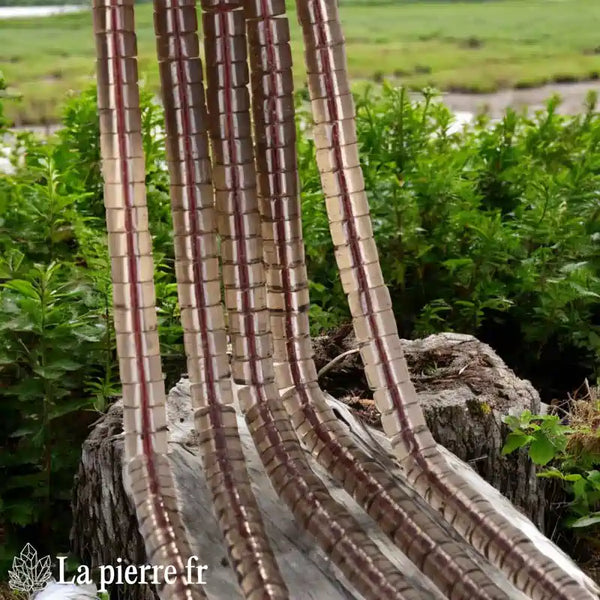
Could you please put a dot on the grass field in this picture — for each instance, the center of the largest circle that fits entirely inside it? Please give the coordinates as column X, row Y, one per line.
column 468, row 46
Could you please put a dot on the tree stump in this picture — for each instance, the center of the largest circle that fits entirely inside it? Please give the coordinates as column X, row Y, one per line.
column 465, row 389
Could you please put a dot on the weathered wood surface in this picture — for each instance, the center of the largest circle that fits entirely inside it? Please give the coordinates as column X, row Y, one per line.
column 464, row 397
column 104, row 526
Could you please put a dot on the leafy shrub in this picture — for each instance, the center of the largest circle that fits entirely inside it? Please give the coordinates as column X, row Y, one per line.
column 569, row 449
column 491, row 230
column 57, row 345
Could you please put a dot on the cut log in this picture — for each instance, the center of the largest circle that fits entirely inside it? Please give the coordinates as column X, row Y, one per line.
column 105, row 530
column 465, row 389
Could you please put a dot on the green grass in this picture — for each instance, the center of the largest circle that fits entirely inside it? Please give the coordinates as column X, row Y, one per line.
column 468, row 46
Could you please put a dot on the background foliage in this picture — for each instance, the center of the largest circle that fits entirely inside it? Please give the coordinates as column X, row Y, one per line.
column 492, row 230
column 57, row 349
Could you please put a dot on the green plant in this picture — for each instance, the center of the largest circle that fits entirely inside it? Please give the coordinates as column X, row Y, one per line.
column 545, row 437
column 57, row 357
column 491, row 229
column 48, row 337
column 569, row 448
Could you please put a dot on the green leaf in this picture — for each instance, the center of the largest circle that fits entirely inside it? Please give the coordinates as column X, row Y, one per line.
column 580, row 490
column 556, row 474
column 65, row 364
column 594, row 478
column 587, row 521
column 515, row 440
column 27, row 389
column 512, row 421
column 456, row 263
column 89, row 334
column 24, row 288
column 541, row 451
column 571, row 267
column 65, row 408
column 584, row 291
column 48, row 373
column 23, row 431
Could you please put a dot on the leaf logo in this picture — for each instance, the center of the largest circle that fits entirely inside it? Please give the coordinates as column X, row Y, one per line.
column 29, row 575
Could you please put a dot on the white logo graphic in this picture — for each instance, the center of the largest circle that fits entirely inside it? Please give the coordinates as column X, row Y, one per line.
column 29, row 575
